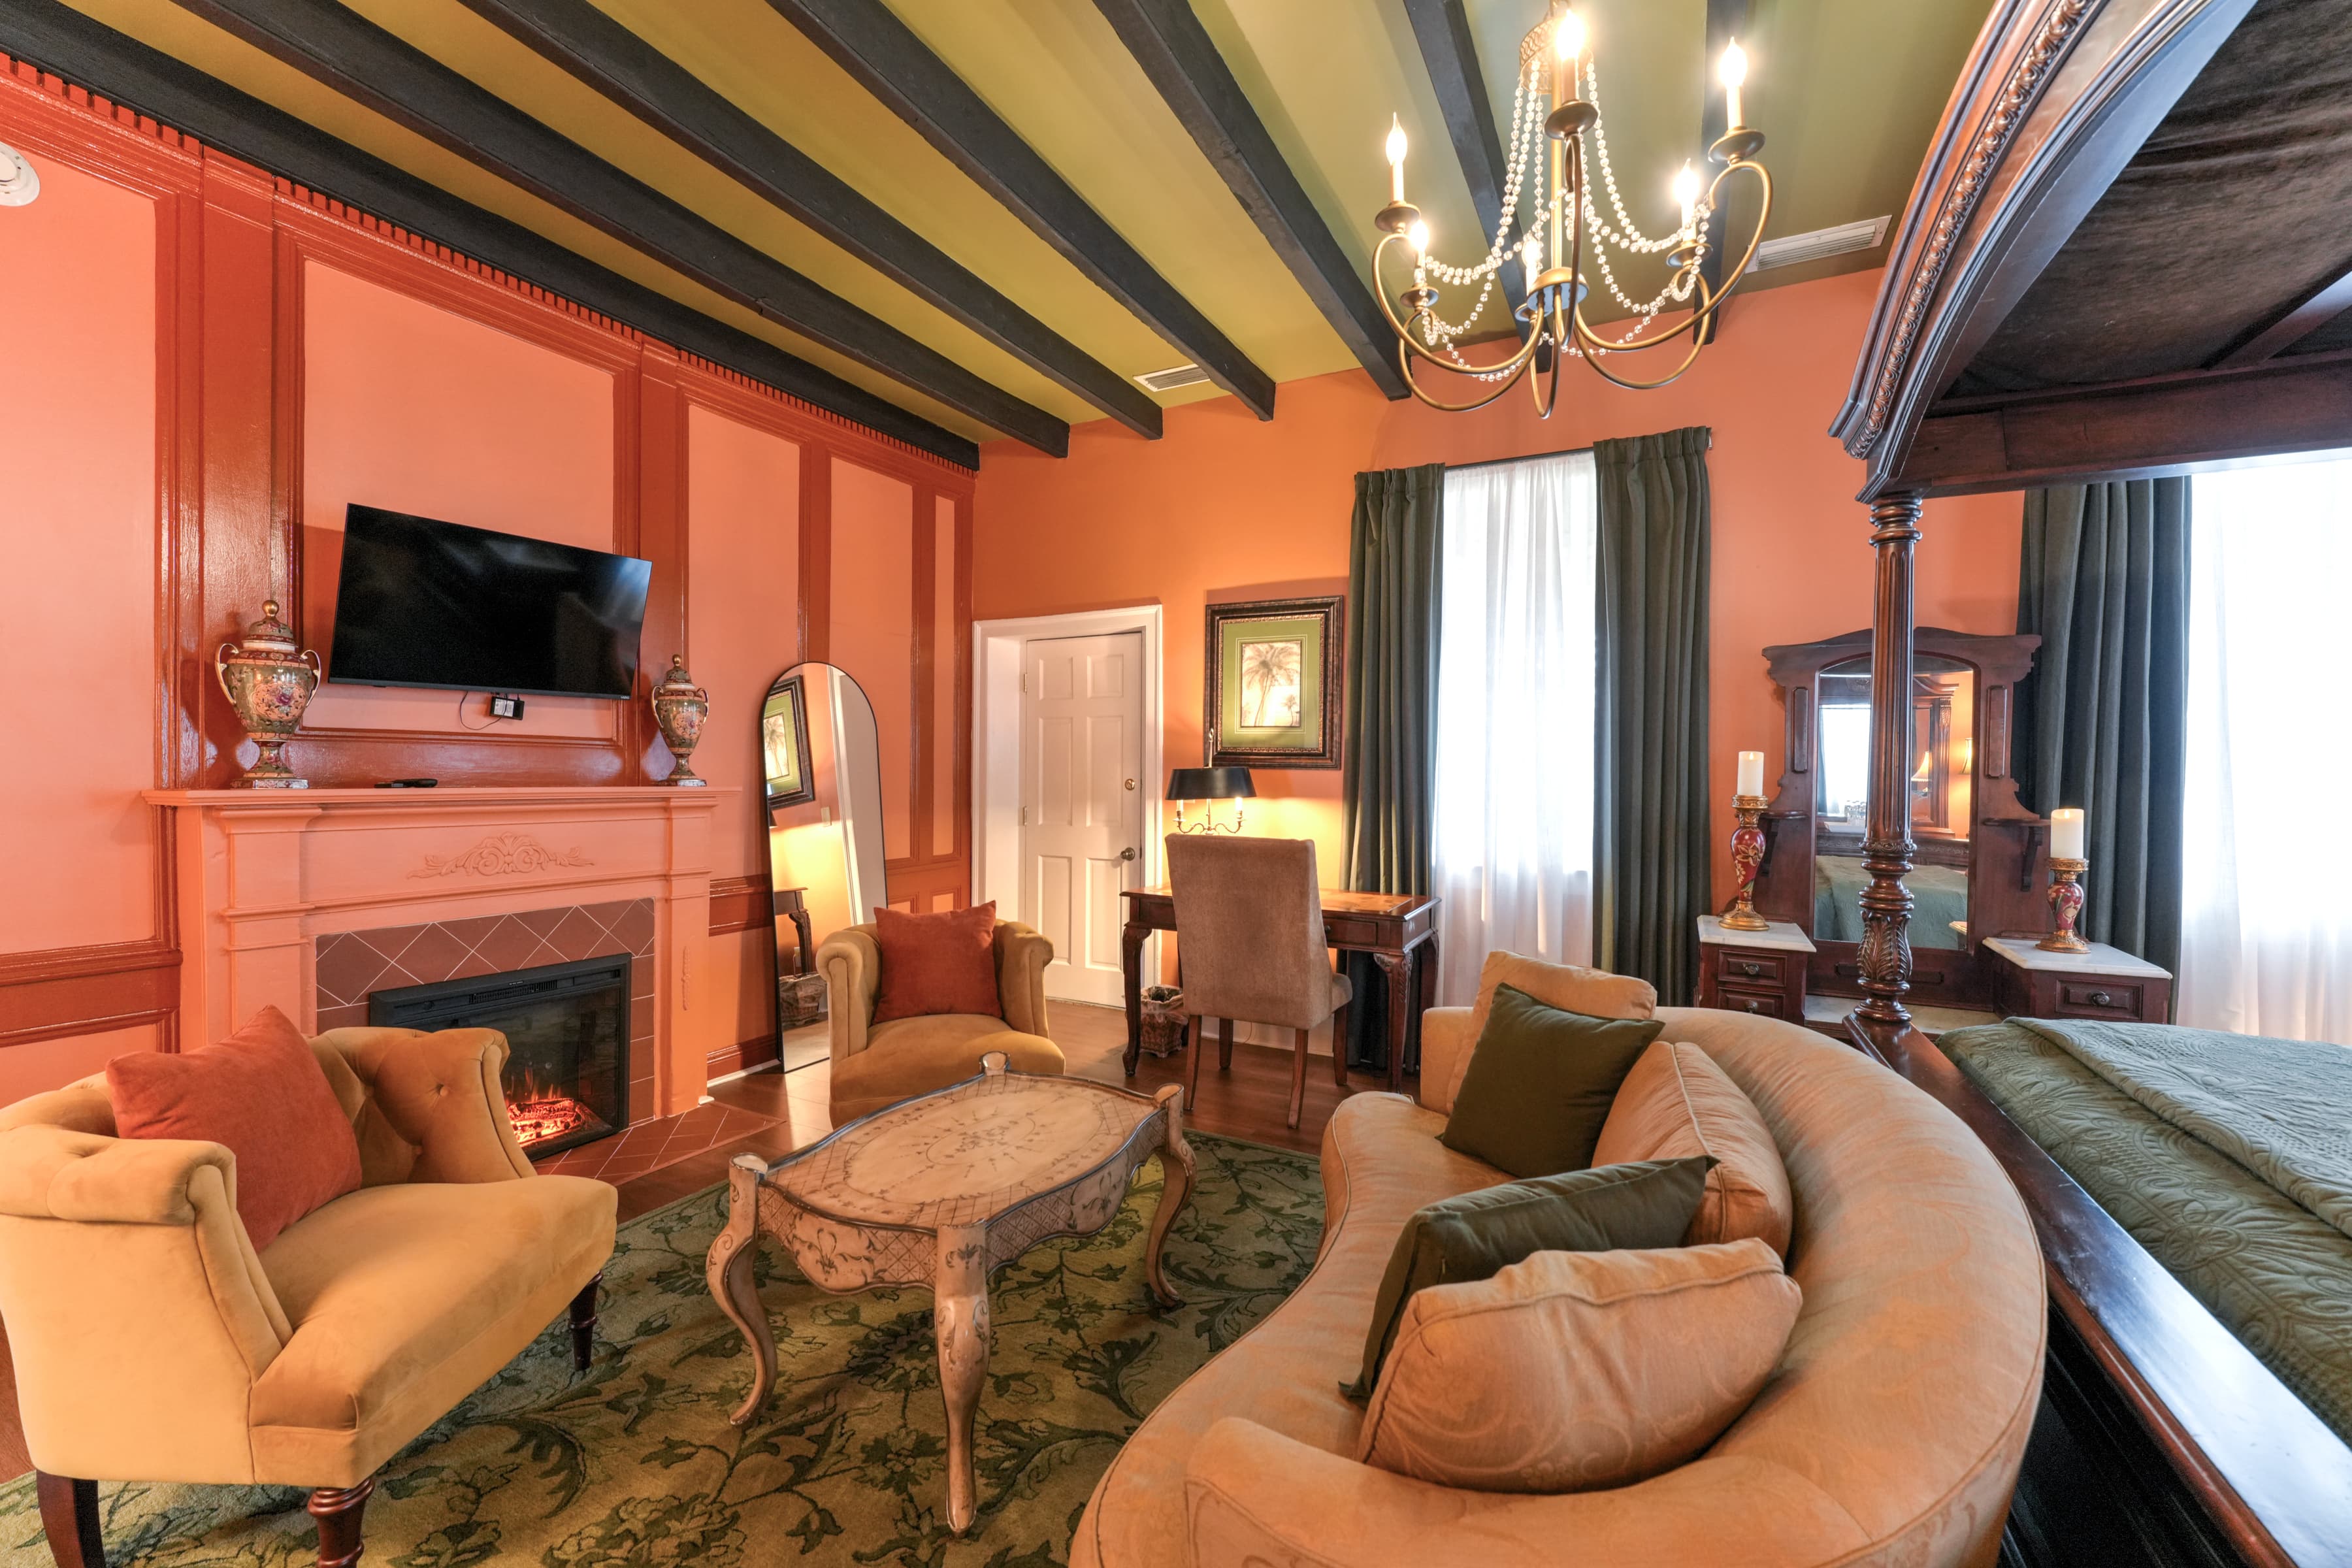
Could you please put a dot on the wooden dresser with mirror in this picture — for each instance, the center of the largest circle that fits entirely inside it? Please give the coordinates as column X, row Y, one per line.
column 1982, row 858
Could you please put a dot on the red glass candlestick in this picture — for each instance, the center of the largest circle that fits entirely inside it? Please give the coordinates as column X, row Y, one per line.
column 1747, row 860
column 2065, row 906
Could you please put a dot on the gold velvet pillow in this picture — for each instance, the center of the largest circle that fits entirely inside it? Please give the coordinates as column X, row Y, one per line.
column 1595, row 992
column 1677, row 1103
column 1575, row 1371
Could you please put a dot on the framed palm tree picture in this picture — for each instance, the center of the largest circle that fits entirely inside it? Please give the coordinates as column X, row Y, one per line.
column 1272, row 691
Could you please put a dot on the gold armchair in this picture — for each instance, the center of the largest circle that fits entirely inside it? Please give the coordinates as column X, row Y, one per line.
column 875, row 1065
column 151, row 1342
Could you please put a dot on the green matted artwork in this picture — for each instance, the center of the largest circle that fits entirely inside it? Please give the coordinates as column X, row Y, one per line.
column 785, row 743
column 1273, row 684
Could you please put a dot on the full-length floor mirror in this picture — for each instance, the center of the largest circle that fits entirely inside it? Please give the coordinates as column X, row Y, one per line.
column 821, row 757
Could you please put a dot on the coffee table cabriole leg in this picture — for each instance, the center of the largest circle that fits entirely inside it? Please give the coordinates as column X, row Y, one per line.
column 1176, row 1176
column 729, row 1272
column 959, row 1321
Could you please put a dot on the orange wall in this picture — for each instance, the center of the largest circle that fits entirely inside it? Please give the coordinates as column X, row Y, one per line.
column 79, row 531
column 1228, row 507
column 216, row 364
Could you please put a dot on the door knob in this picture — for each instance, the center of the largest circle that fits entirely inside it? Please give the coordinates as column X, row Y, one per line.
column 1126, row 854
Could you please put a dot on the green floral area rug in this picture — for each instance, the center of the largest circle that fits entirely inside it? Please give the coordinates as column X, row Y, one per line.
column 633, row 1464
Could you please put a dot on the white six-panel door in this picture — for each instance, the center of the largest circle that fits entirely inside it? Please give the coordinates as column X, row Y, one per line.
column 1081, row 803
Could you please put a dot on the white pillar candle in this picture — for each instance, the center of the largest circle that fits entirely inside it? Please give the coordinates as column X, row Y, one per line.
column 2066, row 833
column 1751, row 773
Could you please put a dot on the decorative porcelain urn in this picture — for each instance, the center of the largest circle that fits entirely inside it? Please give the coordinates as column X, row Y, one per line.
column 679, row 708
column 268, row 681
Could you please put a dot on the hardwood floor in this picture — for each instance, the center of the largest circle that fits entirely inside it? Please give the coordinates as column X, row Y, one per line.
column 1248, row 1101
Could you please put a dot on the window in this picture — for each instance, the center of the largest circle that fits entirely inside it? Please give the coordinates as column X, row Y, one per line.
column 1512, row 839
column 2266, row 939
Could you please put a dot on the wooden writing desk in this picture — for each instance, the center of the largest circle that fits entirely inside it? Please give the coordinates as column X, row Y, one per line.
column 1399, row 930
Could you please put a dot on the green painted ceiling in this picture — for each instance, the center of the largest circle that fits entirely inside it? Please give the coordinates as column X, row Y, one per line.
column 1847, row 91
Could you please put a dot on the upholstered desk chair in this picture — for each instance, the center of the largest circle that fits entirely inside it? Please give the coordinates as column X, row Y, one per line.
column 875, row 1065
column 153, row 1343
column 1249, row 932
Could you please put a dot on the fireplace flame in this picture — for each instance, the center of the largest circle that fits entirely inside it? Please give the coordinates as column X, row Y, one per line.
column 541, row 1114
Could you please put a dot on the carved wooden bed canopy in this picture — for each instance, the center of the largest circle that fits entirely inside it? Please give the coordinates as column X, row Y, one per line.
column 2125, row 257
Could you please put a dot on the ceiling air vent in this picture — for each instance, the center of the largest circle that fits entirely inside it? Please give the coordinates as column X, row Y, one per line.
column 1169, row 380
column 1790, row 251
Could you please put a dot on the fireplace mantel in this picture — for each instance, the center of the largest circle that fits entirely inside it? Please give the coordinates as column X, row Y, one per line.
column 262, row 874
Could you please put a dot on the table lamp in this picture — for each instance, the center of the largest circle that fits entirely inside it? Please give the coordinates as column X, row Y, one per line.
column 1204, row 785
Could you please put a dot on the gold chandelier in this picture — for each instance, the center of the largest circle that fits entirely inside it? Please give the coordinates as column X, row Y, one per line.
column 1556, row 67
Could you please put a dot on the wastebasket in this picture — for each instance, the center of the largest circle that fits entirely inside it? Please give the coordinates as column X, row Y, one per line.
column 1163, row 1020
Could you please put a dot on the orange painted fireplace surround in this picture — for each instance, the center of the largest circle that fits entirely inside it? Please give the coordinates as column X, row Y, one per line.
column 263, row 873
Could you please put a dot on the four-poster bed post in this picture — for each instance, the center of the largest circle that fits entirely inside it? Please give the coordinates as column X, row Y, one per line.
column 1887, row 854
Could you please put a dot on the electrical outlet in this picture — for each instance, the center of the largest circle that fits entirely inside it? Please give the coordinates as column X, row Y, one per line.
column 506, row 707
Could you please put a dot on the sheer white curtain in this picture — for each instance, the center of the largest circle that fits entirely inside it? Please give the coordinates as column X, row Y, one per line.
column 2266, row 939
column 1512, row 845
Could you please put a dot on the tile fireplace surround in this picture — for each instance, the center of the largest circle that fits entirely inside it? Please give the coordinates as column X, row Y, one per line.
column 284, row 895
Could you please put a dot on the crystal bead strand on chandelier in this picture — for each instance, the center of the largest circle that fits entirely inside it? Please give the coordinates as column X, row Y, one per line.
column 1546, row 179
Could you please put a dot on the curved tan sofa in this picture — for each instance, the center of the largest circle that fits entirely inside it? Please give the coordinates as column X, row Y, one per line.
column 1891, row 1432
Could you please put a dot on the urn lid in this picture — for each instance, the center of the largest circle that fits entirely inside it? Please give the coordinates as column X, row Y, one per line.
column 677, row 678
column 268, row 636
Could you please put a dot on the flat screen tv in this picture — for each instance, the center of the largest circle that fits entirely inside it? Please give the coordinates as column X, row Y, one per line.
column 421, row 603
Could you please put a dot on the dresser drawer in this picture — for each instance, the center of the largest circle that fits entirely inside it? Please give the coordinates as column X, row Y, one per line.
column 2099, row 999
column 1739, row 966
column 1763, row 1004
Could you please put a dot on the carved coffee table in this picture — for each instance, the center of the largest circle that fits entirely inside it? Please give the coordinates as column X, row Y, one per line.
column 943, row 1190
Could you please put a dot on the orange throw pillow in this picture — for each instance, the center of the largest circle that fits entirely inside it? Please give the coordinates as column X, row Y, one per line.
column 263, row 1096
column 944, row 962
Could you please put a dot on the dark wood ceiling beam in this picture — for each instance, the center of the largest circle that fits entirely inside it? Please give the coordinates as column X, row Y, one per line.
column 1177, row 53
column 60, row 39
column 889, row 61
column 602, row 54
column 1726, row 20
column 2293, row 324
column 1450, row 54
column 343, row 50
column 2171, row 424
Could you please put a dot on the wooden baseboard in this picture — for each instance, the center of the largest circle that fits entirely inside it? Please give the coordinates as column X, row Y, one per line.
column 742, row 1057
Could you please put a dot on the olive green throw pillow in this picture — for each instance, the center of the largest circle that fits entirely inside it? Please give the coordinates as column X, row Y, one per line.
column 1476, row 1235
column 1540, row 1083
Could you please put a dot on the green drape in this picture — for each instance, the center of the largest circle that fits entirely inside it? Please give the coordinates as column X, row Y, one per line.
column 1388, row 753
column 2102, row 720
column 1650, row 828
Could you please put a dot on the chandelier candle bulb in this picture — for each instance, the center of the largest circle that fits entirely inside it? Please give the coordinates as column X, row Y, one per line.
column 1419, row 235
column 1567, row 38
column 1751, row 773
column 1687, row 192
column 1734, row 73
column 1396, row 160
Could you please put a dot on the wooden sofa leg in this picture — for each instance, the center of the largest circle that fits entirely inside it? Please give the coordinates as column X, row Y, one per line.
column 337, row 1511
column 70, row 1515
column 583, row 1325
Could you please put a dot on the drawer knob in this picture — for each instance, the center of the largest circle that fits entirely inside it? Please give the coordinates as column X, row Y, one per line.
column 1750, row 968
column 1756, row 1006
column 2101, row 999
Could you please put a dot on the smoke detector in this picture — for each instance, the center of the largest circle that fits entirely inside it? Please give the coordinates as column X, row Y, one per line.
column 1820, row 242
column 1171, row 379
column 18, row 183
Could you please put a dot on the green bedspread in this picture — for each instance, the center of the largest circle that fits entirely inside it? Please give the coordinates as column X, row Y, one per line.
column 2227, row 1156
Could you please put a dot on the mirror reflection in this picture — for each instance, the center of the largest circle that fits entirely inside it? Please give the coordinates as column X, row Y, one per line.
column 1943, row 727
column 821, row 757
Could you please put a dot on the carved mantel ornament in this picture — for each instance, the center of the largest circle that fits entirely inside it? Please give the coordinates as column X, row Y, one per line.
column 502, row 854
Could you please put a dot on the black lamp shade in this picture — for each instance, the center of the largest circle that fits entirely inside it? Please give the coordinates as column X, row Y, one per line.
column 1211, row 783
